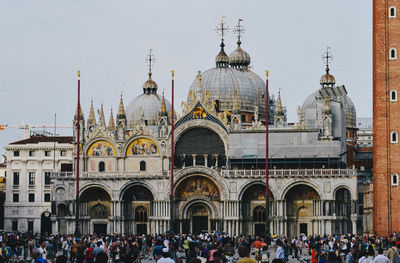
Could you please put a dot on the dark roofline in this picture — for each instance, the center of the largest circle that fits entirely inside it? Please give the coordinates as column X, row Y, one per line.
column 38, row 139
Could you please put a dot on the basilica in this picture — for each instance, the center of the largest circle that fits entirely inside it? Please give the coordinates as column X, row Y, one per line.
column 219, row 157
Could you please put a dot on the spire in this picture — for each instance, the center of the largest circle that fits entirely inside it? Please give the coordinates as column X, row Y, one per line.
column 80, row 113
column 111, row 123
column 198, row 93
column 101, row 116
column 327, row 106
column 121, row 110
column 222, row 59
column 279, row 107
column 92, row 117
column 163, row 109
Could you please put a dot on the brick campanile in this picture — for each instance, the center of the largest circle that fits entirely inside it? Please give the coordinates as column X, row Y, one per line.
column 386, row 115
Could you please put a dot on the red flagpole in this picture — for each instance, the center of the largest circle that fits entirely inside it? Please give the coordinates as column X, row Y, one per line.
column 77, row 232
column 267, row 223
column 172, row 156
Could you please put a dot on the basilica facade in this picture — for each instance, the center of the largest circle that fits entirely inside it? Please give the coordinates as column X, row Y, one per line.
column 219, row 160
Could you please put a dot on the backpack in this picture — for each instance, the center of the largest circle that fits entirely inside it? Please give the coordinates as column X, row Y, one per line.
column 396, row 258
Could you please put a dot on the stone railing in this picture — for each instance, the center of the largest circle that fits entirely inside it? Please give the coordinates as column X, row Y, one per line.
column 290, row 173
column 273, row 173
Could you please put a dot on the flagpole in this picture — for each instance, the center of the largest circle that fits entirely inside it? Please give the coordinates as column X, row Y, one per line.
column 267, row 222
column 171, row 197
column 77, row 232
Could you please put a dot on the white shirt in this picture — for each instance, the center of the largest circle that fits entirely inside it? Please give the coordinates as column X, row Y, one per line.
column 380, row 259
column 165, row 260
column 363, row 258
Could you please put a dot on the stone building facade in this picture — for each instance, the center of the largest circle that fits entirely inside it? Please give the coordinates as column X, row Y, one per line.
column 219, row 153
column 30, row 163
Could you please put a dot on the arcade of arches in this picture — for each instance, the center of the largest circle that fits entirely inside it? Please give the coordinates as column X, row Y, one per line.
column 200, row 207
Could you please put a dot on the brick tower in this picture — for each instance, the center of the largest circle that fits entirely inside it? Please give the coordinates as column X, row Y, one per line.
column 386, row 114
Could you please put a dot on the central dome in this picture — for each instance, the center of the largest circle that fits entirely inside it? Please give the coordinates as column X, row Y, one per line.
column 223, row 84
column 146, row 106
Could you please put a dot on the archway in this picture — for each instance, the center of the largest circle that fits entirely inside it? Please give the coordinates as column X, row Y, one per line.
column 136, row 203
column 343, row 211
column 197, row 198
column 95, row 209
column 199, row 146
column 253, row 201
column 45, row 224
column 300, row 208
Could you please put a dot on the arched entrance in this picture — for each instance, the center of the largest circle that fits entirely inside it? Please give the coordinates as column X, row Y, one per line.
column 136, row 203
column 199, row 216
column 45, row 224
column 301, row 201
column 253, row 209
column 95, row 209
column 196, row 197
column 343, row 211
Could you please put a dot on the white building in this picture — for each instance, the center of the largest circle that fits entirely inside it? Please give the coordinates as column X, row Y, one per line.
column 28, row 194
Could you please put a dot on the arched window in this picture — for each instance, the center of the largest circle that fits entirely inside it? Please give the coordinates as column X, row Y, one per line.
column 259, row 214
column 393, row 95
column 142, row 166
column 392, row 12
column 394, row 138
column 393, row 53
column 102, row 167
column 395, row 179
column 141, row 214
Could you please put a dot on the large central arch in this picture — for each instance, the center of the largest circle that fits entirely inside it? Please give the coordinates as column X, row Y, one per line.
column 136, row 199
column 95, row 209
column 300, row 208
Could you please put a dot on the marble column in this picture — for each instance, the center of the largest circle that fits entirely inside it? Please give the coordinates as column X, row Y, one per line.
column 194, row 159
column 206, row 160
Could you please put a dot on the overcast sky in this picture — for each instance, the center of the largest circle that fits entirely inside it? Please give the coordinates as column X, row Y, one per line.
column 44, row 43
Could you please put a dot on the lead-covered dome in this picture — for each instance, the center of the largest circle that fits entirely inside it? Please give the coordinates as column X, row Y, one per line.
column 223, row 84
column 146, row 106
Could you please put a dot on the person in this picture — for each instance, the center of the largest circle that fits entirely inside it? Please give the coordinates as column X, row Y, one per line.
column 280, row 252
column 98, row 249
column 380, row 258
column 36, row 255
column 165, row 256
column 363, row 257
column 101, row 257
column 393, row 253
column 350, row 256
column 314, row 255
column 244, row 253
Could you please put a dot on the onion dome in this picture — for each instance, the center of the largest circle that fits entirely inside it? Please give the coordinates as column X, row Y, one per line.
column 327, row 80
column 150, row 86
column 239, row 58
column 222, row 59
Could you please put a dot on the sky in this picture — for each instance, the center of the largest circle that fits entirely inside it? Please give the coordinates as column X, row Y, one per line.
column 44, row 43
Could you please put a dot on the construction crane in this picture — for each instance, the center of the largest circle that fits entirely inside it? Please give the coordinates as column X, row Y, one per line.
column 27, row 127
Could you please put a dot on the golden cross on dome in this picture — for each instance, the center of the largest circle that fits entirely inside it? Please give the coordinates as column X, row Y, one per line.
column 150, row 60
column 222, row 28
column 327, row 57
column 239, row 30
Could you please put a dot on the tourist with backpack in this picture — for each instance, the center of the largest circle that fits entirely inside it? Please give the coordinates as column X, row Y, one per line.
column 393, row 253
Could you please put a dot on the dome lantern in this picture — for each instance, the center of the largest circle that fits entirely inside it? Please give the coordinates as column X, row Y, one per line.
column 239, row 59
column 222, row 59
column 327, row 80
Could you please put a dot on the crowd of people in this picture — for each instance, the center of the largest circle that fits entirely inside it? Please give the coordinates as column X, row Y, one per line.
column 202, row 248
